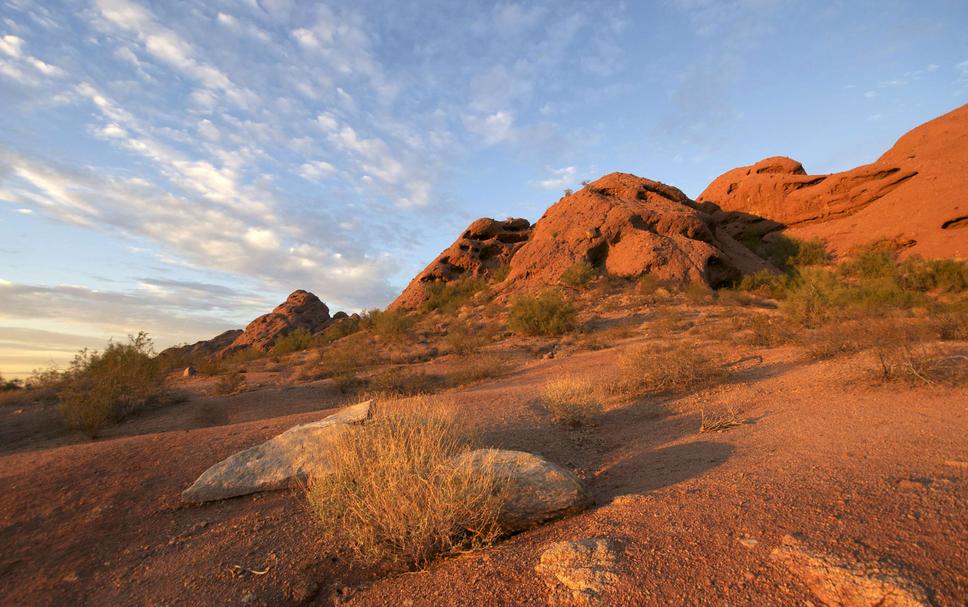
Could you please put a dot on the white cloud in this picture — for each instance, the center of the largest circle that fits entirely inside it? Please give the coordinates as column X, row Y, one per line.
column 262, row 238
column 11, row 45
column 559, row 178
column 328, row 121
column 494, row 128
column 314, row 171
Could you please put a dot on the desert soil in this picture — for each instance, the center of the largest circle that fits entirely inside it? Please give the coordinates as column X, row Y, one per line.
column 866, row 472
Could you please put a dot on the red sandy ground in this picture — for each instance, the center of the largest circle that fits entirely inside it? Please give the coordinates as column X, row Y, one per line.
column 859, row 469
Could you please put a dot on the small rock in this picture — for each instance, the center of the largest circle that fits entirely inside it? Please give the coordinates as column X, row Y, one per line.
column 840, row 583
column 956, row 463
column 748, row 542
column 579, row 572
column 189, row 372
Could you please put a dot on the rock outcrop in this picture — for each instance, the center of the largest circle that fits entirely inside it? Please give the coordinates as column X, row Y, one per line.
column 842, row 583
column 538, row 490
column 630, row 226
column 200, row 349
column 484, row 247
column 278, row 462
column 301, row 310
column 579, row 572
column 912, row 195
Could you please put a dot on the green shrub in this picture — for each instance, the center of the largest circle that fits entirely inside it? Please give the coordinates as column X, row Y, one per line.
column 499, row 273
column 8, row 385
column 766, row 283
column 391, row 325
column 809, row 253
column 448, row 297
column 876, row 260
column 463, row 339
column 100, row 388
column 579, row 275
column 945, row 275
column 294, row 341
column 546, row 313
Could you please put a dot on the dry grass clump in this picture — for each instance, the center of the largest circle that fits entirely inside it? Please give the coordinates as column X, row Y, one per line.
column 916, row 362
column 394, row 493
column 667, row 368
column 572, row 401
column 463, row 339
column 478, row 367
column 720, row 422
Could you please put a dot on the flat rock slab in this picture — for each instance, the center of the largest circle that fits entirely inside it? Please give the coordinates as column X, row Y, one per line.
column 842, row 583
column 538, row 490
column 579, row 572
column 276, row 463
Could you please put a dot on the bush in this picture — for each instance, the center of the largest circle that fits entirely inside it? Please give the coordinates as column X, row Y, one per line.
column 945, row 275
column 461, row 339
column 668, row 368
column 696, row 293
column 294, row 341
column 809, row 253
column 9, row 385
column 100, row 388
column 572, row 401
column 390, row 325
column 448, row 297
column 230, row 383
column 766, row 284
column 904, row 353
column 394, row 494
column 544, row 314
column 579, row 275
column 951, row 321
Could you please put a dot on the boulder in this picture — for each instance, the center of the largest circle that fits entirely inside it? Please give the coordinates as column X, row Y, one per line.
column 629, row 226
column 484, row 247
column 579, row 572
column 276, row 463
column 844, row 583
column 301, row 310
column 538, row 490
column 912, row 196
column 189, row 372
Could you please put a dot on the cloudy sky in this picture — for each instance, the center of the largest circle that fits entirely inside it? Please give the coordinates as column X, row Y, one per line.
column 181, row 166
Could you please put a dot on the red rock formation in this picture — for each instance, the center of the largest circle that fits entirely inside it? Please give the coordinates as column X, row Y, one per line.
column 301, row 310
column 631, row 226
column 912, row 195
column 485, row 246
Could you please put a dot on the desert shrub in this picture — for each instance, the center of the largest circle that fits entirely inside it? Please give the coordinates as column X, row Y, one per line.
column 579, row 275
column 765, row 283
column 813, row 297
column 448, row 297
column 393, row 493
column 499, row 273
column 405, row 382
column 390, row 325
column 676, row 367
column 338, row 330
column 903, row 353
column 951, row 321
column 238, row 358
column 343, row 360
column 100, row 388
column 230, row 383
column 944, row 275
column 294, row 341
column 874, row 260
column 462, row 339
column 9, row 385
column 478, row 367
column 546, row 313
column 809, row 253
column 608, row 336
column 572, row 401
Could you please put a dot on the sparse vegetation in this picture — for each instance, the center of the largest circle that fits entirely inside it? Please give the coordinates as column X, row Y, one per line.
column 678, row 367
column 546, row 313
column 294, row 341
column 448, row 297
column 478, row 367
column 230, row 383
column 389, row 325
column 462, row 339
column 580, row 275
column 572, row 401
column 405, row 382
column 718, row 422
column 101, row 388
column 8, row 385
column 394, row 493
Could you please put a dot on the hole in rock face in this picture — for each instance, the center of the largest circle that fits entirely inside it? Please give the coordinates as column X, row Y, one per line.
column 720, row 274
column 490, row 251
column 956, row 223
column 597, row 255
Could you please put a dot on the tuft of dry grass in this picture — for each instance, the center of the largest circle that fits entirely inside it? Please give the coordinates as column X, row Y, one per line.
column 572, row 401
column 405, row 382
column 678, row 367
column 394, row 494
column 720, row 422
column 919, row 363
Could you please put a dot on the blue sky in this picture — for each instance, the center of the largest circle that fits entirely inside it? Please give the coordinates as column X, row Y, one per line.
column 181, row 166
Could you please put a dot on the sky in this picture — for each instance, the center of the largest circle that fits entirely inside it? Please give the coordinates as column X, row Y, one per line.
column 179, row 167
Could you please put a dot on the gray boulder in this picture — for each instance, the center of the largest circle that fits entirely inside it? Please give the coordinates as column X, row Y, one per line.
column 276, row 463
column 579, row 572
column 538, row 490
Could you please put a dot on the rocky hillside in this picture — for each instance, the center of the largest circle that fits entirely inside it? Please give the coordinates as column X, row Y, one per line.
column 913, row 195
